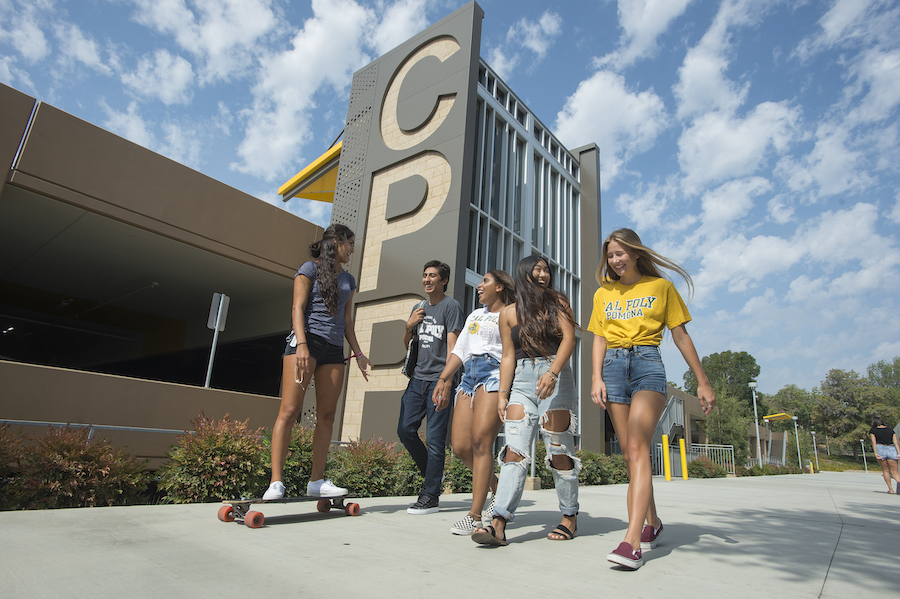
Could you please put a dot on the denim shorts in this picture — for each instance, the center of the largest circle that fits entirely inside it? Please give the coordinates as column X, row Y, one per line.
column 627, row 371
column 886, row 452
column 319, row 349
column 482, row 369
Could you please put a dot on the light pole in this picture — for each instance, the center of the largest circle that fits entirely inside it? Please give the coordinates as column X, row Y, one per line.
column 797, row 439
column 862, row 443
column 816, row 451
column 756, row 422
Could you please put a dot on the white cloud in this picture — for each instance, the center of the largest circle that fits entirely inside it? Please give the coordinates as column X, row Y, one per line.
column 182, row 145
column 829, row 169
column 848, row 21
column 129, row 125
column 879, row 72
column 841, row 249
column 75, row 47
column 894, row 214
column 163, row 76
column 20, row 27
column 730, row 202
column 399, row 22
column 13, row 76
column 324, row 53
column 717, row 146
column 622, row 122
column 534, row 36
column 642, row 22
column 225, row 34
column 780, row 210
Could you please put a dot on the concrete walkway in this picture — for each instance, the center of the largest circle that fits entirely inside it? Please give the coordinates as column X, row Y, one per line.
column 822, row 535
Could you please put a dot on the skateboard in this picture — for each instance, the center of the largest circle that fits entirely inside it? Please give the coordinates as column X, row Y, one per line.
column 239, row 509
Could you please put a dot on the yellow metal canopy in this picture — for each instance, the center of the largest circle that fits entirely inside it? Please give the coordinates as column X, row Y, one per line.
column 779, row 416
column 316, row 181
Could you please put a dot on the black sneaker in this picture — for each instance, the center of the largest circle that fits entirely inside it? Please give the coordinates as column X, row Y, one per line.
column 424, row 505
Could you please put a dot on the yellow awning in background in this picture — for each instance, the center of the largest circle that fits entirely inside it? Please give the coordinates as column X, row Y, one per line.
column 316, row 181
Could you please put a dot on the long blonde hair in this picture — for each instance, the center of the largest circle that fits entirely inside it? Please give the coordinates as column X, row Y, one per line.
column 649, row 262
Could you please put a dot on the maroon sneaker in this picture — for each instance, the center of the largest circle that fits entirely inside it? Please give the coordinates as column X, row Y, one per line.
column 624, row 555
column 650, row 537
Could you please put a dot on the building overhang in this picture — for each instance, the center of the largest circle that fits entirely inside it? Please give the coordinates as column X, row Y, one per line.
column 316, row 181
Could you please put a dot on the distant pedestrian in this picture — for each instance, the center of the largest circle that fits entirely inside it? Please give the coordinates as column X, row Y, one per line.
column 632, row 307
column 884, row 444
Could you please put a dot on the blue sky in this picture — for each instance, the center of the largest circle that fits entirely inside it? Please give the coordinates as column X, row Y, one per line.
column 754, row 141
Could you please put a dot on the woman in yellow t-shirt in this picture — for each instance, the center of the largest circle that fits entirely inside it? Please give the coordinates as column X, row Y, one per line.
column 631, row 308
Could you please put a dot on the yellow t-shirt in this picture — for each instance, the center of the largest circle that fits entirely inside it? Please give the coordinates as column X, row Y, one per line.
column 630, row 315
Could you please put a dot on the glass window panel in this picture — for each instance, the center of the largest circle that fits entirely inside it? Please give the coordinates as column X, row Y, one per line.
column 493, row 248
column 485, row 160
column 478, row 171
column 496, row 168
column 536, row 235
column 553, row 208
column 520, row 185
column 482, row 231
column 472, row 254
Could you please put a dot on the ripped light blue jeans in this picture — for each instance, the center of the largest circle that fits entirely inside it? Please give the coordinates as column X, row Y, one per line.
column 521, row 433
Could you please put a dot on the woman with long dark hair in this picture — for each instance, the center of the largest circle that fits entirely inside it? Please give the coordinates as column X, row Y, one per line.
column 323, row 293
column 475, row 419
column 633, row 306
column 536, row 390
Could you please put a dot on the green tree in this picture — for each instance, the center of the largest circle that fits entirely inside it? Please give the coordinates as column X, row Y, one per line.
column 728, row 424
column 795, row 401
column 732, row 371
column 885, row 374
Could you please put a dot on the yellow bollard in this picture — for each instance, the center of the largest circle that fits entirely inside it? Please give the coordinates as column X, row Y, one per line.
column 667, row 458
column 683, row 459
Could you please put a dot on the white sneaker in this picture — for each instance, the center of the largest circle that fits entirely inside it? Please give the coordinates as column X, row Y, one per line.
column 324, row 488
column 275, row 491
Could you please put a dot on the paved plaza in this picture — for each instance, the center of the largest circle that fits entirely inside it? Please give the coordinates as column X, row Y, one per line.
column 822, row 535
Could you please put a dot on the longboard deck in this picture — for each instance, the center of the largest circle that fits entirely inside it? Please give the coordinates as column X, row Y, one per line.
column 284, row 499
column 238, row 509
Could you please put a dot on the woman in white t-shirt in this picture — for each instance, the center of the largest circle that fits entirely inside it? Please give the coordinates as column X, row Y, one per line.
column 632, row 308
column 476, row 422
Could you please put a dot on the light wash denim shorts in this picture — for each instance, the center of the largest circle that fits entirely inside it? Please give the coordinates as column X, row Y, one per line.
column 482, row 369
column 627, row 371
column 886, row 452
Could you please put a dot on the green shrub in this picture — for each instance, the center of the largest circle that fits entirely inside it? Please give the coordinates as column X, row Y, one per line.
column 617, row 472
column 65, row 469
column 368, row 468
column 11, row 456
column 703, row 467
column 222, row 459
column 409, row 479
column 298, row 464
column 601, row 469
column 540, row 463
column 457, row 477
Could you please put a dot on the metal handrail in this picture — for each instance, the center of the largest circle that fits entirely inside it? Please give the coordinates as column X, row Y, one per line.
column 93, row 427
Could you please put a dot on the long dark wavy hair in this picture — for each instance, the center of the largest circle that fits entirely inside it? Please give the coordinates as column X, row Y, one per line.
column 323, row 252
column 538, row 308
column 508, row 295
